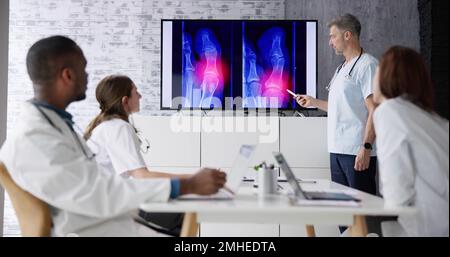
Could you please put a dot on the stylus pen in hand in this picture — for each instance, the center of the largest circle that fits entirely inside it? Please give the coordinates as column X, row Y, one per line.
column 225, row 187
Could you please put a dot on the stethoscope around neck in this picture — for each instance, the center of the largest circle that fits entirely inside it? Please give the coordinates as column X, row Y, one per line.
column 89, row 155
column 349, row 75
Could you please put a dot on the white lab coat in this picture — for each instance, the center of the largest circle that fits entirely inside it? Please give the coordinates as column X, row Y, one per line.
column 122, row 154
column 413, row 148
column 84, row 199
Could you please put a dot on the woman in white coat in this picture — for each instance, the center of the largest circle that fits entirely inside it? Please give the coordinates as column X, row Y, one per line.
column 413, row 145
column 119, row 98
column 117, row 146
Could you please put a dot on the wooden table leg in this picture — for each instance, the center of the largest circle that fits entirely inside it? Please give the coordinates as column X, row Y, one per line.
column 190, row 226
column 310, row 232
column 359, row 227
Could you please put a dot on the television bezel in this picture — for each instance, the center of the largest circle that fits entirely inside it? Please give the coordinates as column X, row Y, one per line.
column 246, row 109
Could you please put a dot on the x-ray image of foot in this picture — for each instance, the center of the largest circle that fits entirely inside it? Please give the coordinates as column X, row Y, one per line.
column 211, row 77
column 188, row 71
column 251, row 79
column 274, row 87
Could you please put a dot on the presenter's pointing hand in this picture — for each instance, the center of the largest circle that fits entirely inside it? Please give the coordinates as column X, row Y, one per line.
column 305, row 100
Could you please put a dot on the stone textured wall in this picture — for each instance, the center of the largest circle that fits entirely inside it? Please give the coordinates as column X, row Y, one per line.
column 117, row 36
column 384, row 23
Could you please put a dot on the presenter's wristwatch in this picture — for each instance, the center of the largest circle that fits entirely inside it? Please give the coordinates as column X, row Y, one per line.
column 367, row 146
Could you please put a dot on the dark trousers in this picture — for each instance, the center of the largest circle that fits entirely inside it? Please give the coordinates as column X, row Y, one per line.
column 344, row 173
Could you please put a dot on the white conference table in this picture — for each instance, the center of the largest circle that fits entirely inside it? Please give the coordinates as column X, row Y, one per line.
column 247, row 207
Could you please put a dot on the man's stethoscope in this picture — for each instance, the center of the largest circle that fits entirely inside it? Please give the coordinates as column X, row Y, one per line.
column 349, row 75
column 89, row 155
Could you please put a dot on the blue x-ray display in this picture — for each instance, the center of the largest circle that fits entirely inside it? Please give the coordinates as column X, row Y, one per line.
column 202, row 78
column 266, row 67
column 205, row 63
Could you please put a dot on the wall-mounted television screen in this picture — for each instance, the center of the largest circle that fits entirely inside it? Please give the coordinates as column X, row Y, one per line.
column 237, row 64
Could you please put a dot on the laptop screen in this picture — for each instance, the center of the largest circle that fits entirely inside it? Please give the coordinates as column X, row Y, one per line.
column 240, row 167
column 290, row 177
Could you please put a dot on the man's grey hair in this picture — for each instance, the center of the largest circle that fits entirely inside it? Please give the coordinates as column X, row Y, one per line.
column 347, row 22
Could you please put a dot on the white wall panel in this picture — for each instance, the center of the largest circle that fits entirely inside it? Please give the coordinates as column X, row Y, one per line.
column 311, row 173
column 303, row 141
column 174, row 141
column 223, row 136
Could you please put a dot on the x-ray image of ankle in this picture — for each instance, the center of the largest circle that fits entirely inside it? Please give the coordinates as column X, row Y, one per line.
column 188, row 71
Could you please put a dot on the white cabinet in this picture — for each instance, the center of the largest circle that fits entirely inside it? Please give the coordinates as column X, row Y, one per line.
column 311, row 173
column 223, row 136
column 174, row 140
column 193, row 141
column 303, row 142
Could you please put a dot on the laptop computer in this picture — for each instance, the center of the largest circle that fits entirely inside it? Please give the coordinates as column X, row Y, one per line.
column 234, row 177
column 300, row 194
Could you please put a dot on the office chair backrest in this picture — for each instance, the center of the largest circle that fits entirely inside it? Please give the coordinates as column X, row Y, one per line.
column 33, row 214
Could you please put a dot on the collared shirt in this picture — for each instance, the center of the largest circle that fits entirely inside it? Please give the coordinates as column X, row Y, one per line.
column 62, row 113
column 347, row 112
